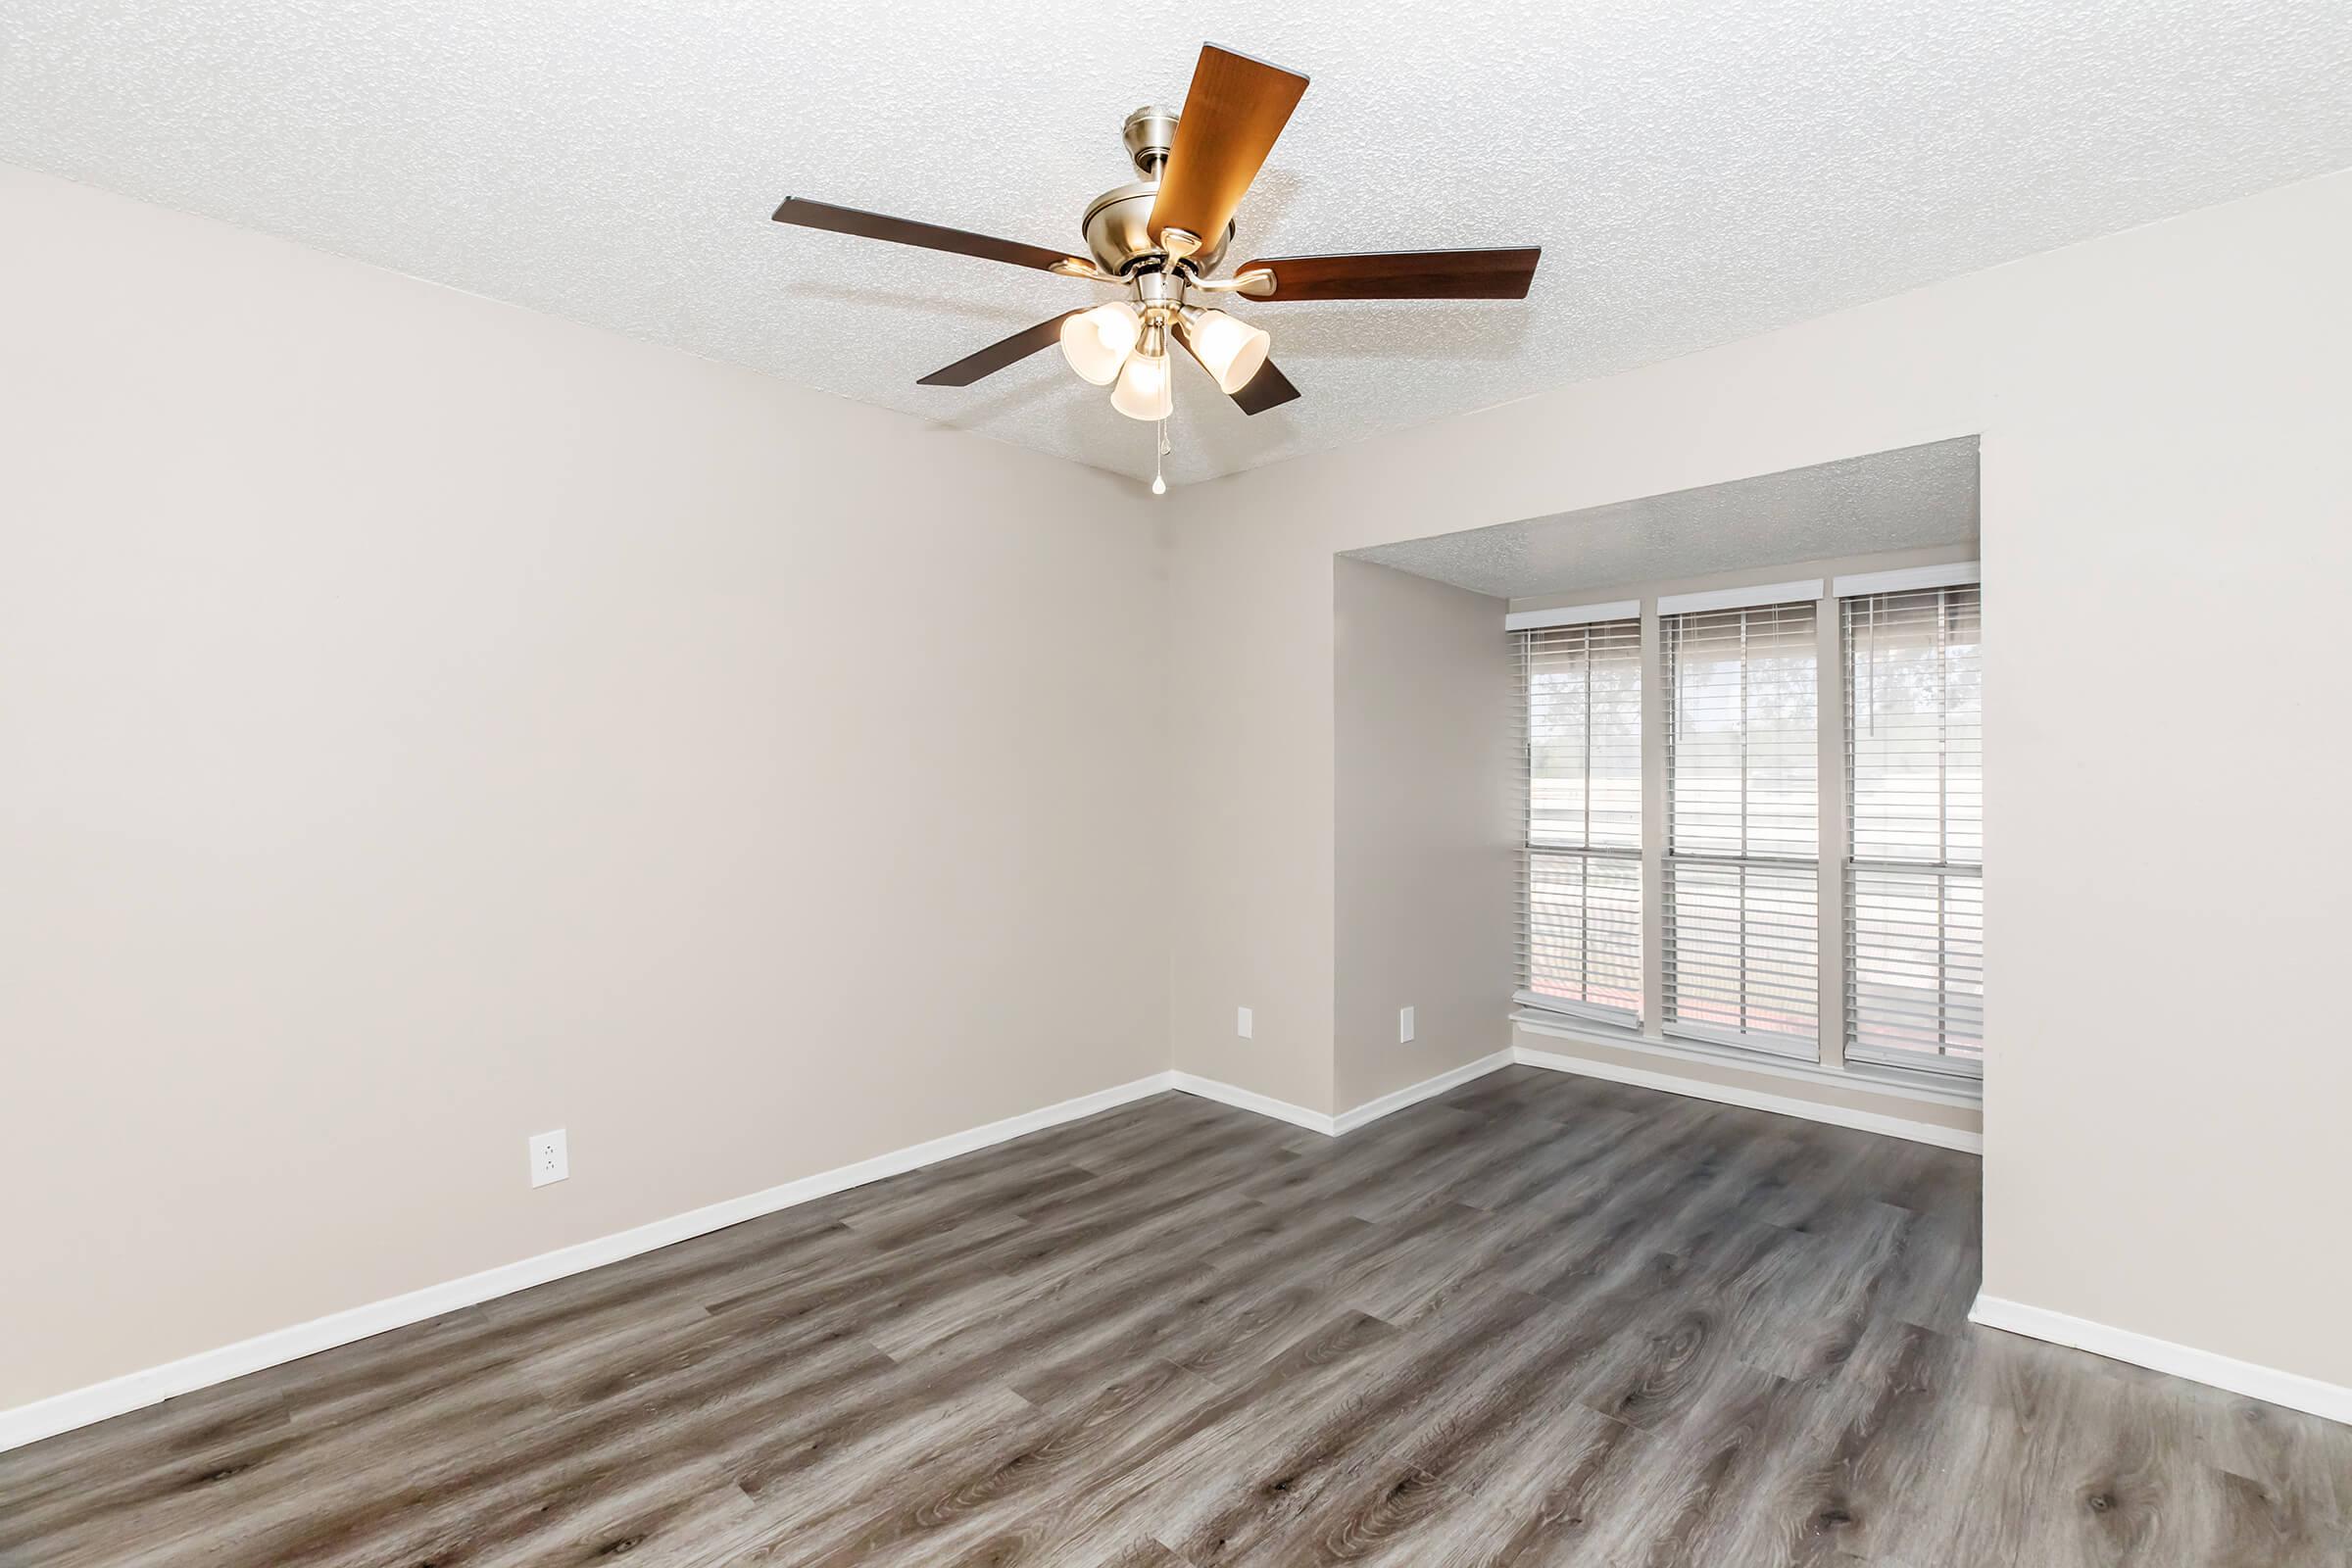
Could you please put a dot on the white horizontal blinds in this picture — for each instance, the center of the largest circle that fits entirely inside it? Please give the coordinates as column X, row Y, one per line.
column 1742, row 958
column 1580, row 715
column 1915, row 873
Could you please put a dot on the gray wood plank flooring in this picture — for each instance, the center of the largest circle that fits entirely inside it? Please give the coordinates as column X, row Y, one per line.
column 1540, row 1320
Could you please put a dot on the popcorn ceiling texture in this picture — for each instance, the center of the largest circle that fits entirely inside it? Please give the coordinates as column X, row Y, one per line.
column 1696, row 174
column 1909, row 499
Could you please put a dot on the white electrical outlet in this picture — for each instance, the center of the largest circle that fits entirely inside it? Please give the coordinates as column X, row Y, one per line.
column 1242, row 1022
column 551, row 1158
column 1404, row 1025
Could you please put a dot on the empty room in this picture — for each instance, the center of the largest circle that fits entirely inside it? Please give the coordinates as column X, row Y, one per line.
column 945, row 786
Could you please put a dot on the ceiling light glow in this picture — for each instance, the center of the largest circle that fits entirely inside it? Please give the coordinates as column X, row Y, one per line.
column 1232, row 350
column 1097, row 342
column 1143, row 392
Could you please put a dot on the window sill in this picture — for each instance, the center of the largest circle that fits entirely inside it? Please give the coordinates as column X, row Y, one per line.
column 1931, row 1088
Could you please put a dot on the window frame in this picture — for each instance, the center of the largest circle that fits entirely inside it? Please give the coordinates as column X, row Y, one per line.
column 1825, row 1054
column 1621, row 624
column 1943, row 873
column 1798, row 875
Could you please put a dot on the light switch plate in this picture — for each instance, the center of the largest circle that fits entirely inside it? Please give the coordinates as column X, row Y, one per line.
column 1404, row 1025
column 551, row 1158
column 1242, row 1022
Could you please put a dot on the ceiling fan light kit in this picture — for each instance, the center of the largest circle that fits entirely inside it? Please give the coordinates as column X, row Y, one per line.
column 1230, row 349
column 1162, row 238
column 1097, row 342
column 1144, row 391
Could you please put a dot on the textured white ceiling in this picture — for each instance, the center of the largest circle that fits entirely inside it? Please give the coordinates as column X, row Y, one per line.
column 1696, row 174
column 1902, row 499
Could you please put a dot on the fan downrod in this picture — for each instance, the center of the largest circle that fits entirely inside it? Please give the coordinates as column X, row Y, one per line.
column 1150, row 133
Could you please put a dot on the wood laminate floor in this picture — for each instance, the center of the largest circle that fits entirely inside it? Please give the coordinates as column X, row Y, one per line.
column 1540, row 1321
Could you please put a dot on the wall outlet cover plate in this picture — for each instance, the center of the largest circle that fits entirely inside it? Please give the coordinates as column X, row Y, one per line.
column 551, row 1158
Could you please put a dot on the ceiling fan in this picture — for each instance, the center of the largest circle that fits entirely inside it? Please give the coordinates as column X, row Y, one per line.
column 1163, row 236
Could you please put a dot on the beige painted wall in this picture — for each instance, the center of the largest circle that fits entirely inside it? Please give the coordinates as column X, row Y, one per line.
column 1426, row 858
column 1251, row 727
column 2164, row 416
column 423, row 723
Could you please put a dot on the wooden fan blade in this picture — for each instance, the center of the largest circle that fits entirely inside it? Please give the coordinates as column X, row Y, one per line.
column 1496, row 274
column 994, row 358
column 1269, row 388
column 1232, row 113
column 806, row 214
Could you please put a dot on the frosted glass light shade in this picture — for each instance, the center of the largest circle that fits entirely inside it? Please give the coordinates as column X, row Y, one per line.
column 1230, row 348
column 1143, row 392
column 1097, row 342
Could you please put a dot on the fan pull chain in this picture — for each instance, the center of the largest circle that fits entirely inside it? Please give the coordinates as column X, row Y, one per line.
column 1160, row 484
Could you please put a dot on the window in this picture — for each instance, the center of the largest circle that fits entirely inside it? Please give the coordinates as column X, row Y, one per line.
column 1742, row 958
column 1698, row 851
column 1915, row 851
column 1580, row 873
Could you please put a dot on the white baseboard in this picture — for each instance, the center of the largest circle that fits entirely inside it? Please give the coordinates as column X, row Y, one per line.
column 133, row 1391
column 2290, row 1388
column 43, row 1418
column 1314, row 1121
column 1347, row 1121
column 29, row 1423
column 1670, row 1052
column 1869, row 1122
